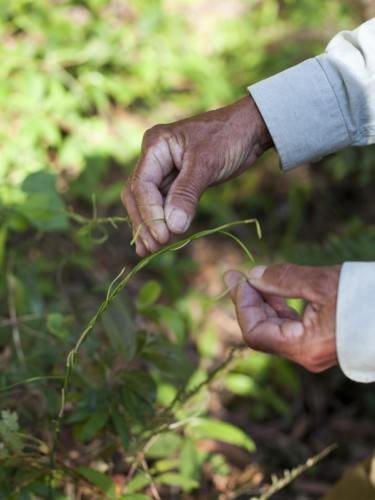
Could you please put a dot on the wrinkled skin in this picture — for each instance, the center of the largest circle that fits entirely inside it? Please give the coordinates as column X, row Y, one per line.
column 179, row 161
column 269, row 325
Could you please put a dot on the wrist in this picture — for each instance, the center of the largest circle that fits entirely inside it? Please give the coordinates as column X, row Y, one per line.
column 259, row 137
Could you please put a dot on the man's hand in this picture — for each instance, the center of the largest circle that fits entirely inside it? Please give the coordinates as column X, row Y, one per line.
column 179, row 161
column 269, row 325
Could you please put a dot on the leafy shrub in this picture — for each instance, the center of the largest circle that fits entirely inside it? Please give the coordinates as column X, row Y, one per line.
column 79, row 82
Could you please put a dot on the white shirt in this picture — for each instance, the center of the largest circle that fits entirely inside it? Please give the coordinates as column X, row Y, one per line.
column 316, row 108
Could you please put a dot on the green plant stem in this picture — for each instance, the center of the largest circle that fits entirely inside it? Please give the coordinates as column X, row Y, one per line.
column 117, row 285
column 30, row 381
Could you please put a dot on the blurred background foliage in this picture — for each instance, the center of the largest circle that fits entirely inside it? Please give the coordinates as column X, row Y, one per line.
column 79, row 84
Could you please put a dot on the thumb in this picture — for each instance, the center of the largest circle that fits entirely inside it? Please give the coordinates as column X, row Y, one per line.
column 287, row 280
column 183, row 197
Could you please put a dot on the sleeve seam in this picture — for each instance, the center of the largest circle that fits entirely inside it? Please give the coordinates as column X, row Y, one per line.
column 337, row 99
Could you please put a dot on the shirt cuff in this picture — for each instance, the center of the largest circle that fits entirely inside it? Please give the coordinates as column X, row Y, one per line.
column 355, row 321
column 302, row 113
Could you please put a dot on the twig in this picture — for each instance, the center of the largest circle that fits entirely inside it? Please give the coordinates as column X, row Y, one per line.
column 153, row 487
column 289, row 475
column 19, row 319
column 30, row 381
column 16, row 334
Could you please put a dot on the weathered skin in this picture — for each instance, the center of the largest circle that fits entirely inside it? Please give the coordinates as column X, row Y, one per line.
column 269, row 325
column 179, row 161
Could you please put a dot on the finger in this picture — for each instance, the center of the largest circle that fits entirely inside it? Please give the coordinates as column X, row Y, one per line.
column 275, row 336
column 251, row 308
column 167, row 182
column 263, row 329
column 184, row 195
column 150, row 203
column 280, row 305
column 288, row 280
column 156, row 162
column 144, row 242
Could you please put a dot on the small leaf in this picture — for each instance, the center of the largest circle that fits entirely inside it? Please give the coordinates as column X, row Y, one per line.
column 173, row 320
column 166, row 445
column 135, row 496
column 45, row 211
column 121, row 427
column 56, row 324
column 93, row 425
column 120, row 329
column 174, row 479
column 149, row 294
column 207, row 428
column 43, row 207
column 241, row 384
column 138, row 394
column 99, row 479
column 140, row 481
column 40, row 182
column 189, row 461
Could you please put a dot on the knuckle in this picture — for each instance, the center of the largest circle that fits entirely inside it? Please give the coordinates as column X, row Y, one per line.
column 325, row 282
column 154, row 134
column 282, row 273
column 187, row 192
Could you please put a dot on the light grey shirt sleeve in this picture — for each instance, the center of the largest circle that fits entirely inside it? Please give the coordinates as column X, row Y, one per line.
column 315, row 108
column 355, row 321
column 323, row 104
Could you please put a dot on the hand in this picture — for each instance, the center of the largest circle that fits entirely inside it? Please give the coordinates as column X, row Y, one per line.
column 179, row 161
column 269, row 325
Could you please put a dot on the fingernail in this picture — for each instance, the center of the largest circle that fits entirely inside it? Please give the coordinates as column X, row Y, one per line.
column 256, row 272
column 230, row 279
column 146, row 244
column 178, row 220
column 161, row 234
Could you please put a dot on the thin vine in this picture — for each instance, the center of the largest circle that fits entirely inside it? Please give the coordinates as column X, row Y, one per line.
column 115, row 287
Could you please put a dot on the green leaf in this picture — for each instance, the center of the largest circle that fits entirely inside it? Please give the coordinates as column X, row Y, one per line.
column 174, row 479
column 56, row 324
column 148, row 294
column 173, row 320
column 45, row 212
column 40, row 182
column 135, row 496
column 207, row 428
column 43, row 206
column 9, row 438
column 241, row 384
column 139, row 481
column 168, row 358
column 165, row 465
column 138, row 394
column 166, row 445
column 121, row 427
column 99, row 479
column 120, row 329
column 93, row 425
column 189, row 461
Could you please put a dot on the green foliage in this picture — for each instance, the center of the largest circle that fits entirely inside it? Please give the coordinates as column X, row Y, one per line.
column 205, row 428
column 79, row 83
column 10, row 441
